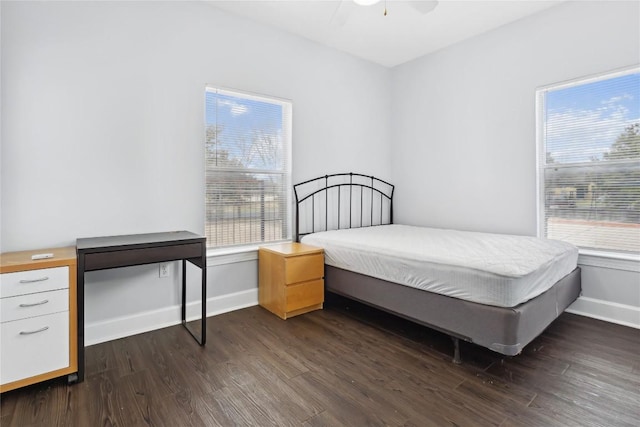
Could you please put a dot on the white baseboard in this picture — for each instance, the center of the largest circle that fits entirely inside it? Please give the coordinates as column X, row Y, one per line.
column 621, row 314
column 125, row 326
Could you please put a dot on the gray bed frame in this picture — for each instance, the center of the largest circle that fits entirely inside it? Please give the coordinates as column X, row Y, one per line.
column 350, row 200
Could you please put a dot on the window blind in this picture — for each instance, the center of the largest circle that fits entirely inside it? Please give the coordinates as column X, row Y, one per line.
column 589, row 162
column 248, row 168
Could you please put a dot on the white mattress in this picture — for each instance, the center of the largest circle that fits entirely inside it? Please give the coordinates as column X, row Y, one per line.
column 492, row 269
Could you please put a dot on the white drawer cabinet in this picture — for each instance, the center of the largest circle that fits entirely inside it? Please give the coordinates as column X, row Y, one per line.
column 38, row 323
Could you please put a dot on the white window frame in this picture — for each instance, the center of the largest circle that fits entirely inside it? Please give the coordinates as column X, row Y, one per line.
column 246, row 252
column 589, row 257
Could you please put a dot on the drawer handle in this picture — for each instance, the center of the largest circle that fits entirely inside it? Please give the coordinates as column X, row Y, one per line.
column 42, row 279
column 34, row 332
column 35, row 303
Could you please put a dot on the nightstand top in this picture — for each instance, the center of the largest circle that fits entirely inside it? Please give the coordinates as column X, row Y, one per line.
column 292, row 249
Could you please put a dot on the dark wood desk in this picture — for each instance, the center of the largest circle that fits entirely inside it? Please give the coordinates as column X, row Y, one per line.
column 100, row 253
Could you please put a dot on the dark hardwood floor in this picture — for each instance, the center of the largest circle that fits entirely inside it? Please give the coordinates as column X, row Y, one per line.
column 347, row 365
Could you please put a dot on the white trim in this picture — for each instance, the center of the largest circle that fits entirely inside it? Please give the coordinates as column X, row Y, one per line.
column 138, row 323
column 589, row 257
column 232, row 257
column 284, row 170
column 608, row 311
column 540, row 103
column 630, row 69
column 594, row 259
column 250, row 95
column 233, row 254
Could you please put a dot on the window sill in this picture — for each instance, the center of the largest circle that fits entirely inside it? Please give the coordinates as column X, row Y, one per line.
column 608, row 260
column 234, row 254
column 231, row 255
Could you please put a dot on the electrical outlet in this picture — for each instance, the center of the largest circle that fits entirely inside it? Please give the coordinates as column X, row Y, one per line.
column 164, row 270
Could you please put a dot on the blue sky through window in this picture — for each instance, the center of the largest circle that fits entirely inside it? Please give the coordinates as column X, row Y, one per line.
column 591, row 114
column 250, row 130
column 239, row 111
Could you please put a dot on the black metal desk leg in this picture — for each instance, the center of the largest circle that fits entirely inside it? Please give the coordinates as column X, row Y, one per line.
column 203, row 331
column 80, row 316
column 184, row 292
column 203, row 339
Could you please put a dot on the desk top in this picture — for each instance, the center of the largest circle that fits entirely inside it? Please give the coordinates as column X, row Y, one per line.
column 137, row 240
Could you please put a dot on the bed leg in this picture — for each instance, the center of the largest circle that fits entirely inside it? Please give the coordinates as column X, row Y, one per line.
column 456, row 351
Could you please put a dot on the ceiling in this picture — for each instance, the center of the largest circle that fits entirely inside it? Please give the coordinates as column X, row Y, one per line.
column 400, row 36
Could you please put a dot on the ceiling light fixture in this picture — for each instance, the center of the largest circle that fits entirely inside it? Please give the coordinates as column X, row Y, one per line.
column 371, row 3
column 365, row 2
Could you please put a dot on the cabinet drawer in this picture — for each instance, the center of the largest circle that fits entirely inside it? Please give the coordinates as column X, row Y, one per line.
column 32, row 281
column 30, row 353
column 32, row 305
column 304, row 295
column 304, row 268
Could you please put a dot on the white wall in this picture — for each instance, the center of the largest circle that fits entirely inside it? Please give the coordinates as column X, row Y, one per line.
column 464, row 148
column 103, row 111
column 102, row 131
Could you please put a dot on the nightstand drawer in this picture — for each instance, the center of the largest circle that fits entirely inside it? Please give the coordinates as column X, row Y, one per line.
column 304, row 295
column 34, row 346
column 304, row 268
column 32, row 305
column 32, row 281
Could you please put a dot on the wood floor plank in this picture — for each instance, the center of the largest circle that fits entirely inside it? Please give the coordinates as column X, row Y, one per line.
column 626, row 389
column 30, row 410
column 277, row 392
column 536, row 417
column 107, row 399
column 587, row 399
column 228, row 406
column 345, row 401
column 451, row 406
column 269, row 345
column 375, row 351
column 143, row 386
column 572, row 353
column 323, row 419
column 497, row 393
column 570, row 412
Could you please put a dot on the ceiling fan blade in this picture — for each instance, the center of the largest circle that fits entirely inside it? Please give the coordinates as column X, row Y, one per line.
column 342, row 12
column 424, row 6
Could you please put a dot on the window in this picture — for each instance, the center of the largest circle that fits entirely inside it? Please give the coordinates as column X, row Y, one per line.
column 589, row 163
column 248, row 168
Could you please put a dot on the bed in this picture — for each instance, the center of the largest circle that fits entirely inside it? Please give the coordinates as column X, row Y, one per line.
column 497, row 291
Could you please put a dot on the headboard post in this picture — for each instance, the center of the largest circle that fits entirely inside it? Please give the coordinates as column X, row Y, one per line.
column 391, row 205
column 326, row 202
column 297, row 215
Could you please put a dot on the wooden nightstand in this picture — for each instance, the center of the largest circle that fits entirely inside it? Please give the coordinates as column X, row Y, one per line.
column 291, row 278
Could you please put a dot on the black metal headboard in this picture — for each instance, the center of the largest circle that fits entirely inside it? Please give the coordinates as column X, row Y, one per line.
column 342, row 200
